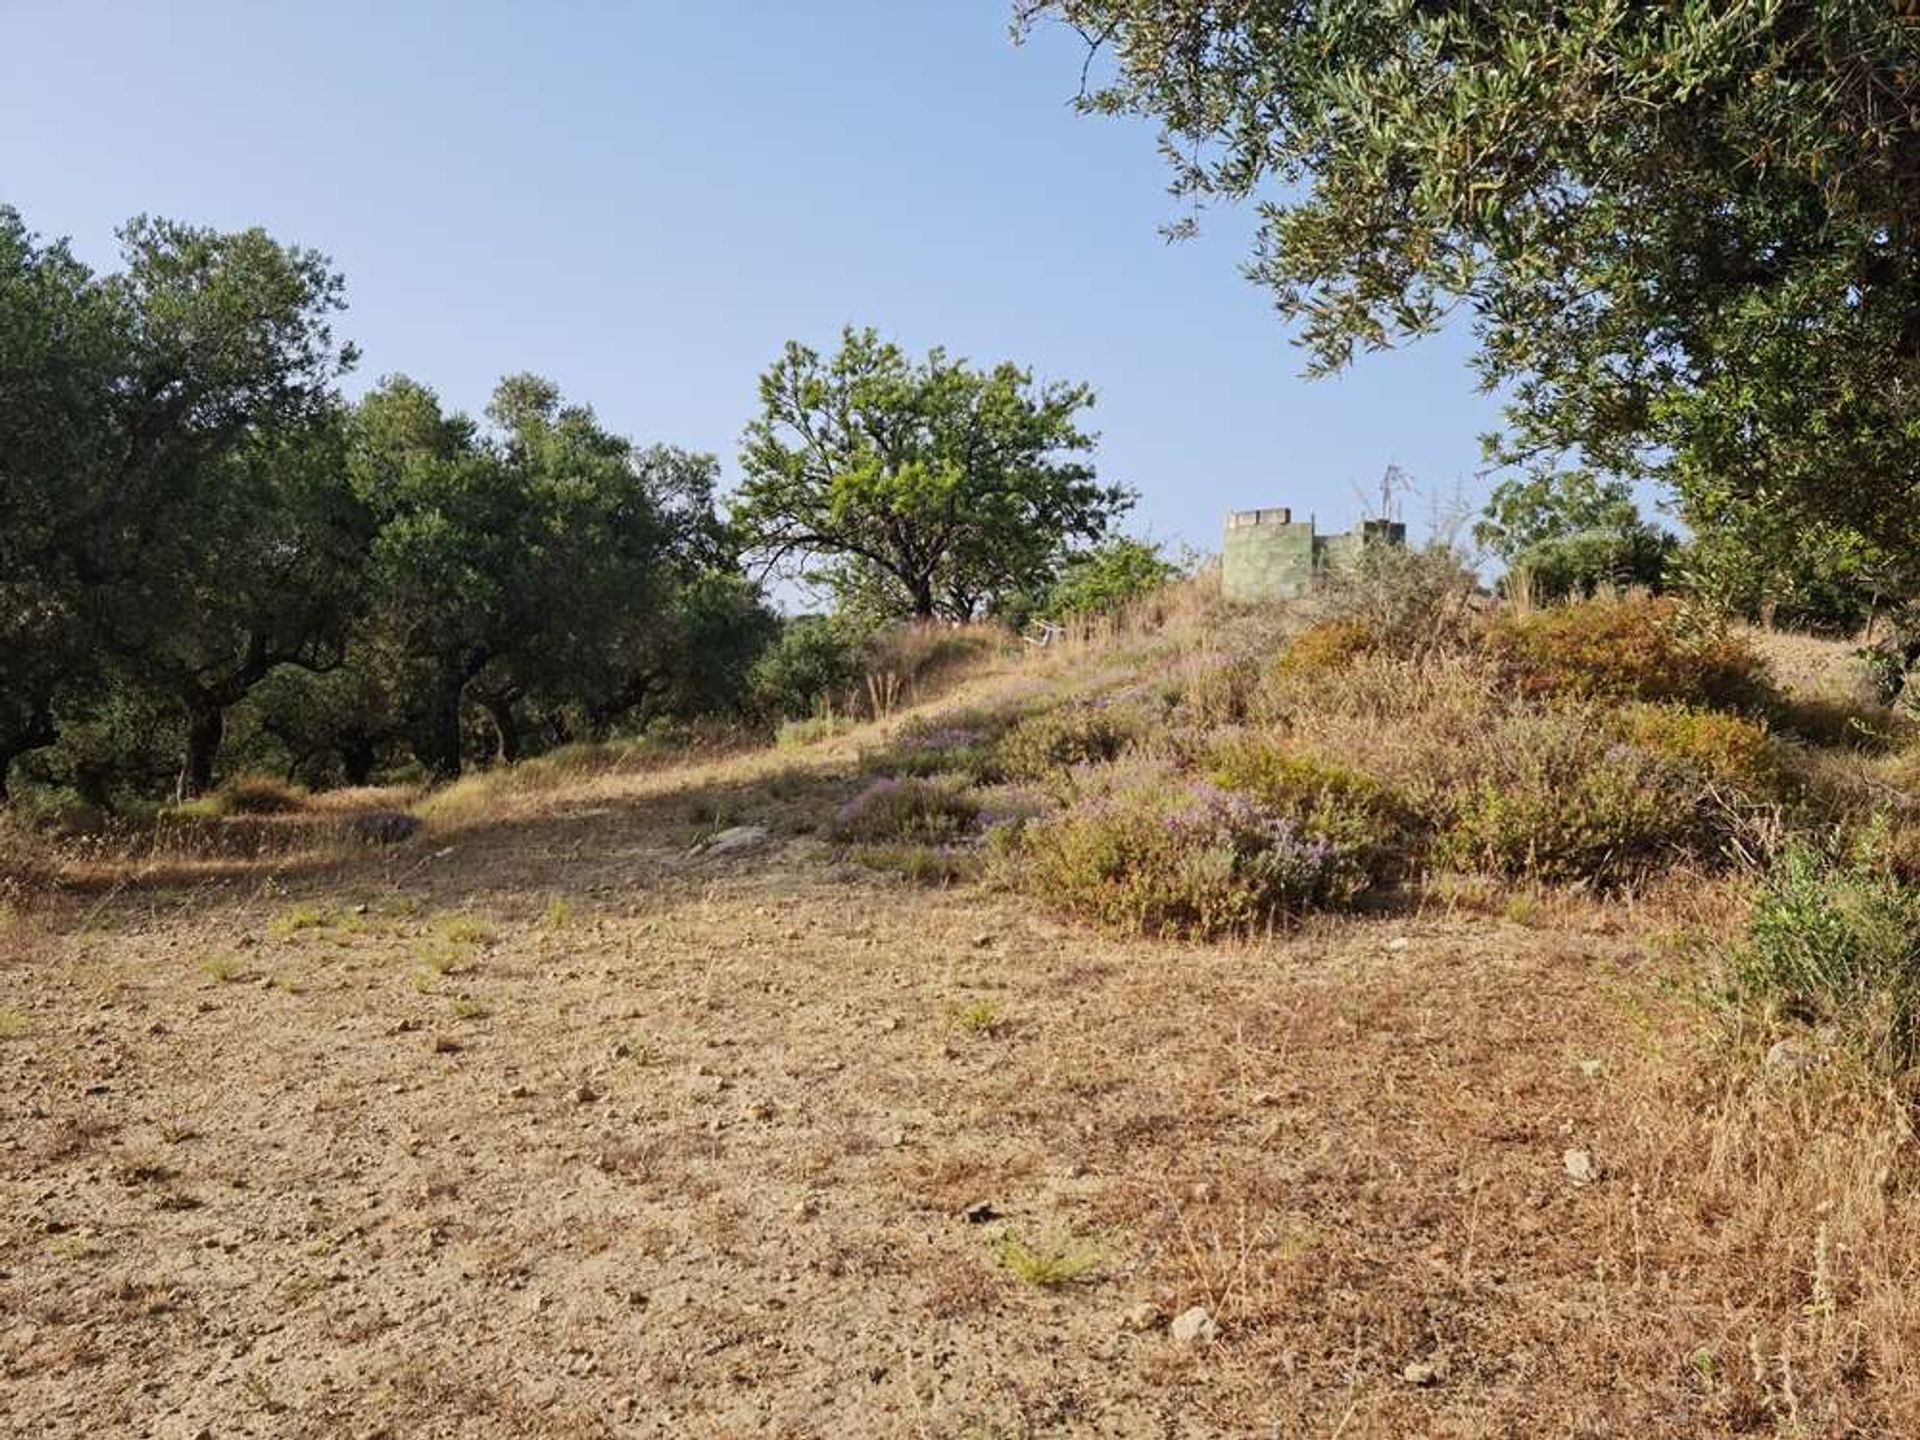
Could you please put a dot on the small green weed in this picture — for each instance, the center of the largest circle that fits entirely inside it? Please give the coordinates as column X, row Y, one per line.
column 981, row 1017
column 464, row 929
column 1054, row 1259
column 223, row 968
column 297, row 918
column 13, row 1024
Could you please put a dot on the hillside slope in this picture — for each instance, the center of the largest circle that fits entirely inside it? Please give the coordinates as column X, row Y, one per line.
column 543, row 1125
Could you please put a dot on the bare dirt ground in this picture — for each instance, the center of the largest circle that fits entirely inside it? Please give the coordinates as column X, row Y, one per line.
column 540, row 1126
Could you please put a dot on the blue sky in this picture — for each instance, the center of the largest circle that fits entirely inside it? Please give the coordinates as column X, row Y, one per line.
column 644, row 201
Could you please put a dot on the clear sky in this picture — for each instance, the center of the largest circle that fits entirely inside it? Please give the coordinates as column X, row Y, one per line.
column 645, row 200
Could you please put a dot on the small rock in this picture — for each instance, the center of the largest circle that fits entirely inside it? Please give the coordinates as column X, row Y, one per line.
column 1141, row 1317
column 445, row 1045
column 1421, row 1372
column 585, row 1094
column 1791, row 1057
column 1590, row 1069
column 1193, row 1327
column 735, row 840
column 1580, row 1167
column 979, row 1213
column 761, row 1110
column 982, row 940
column 806, row 1209
column 1398, row 944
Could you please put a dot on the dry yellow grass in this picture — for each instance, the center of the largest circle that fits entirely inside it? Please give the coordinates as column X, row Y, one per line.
column 692, row 1145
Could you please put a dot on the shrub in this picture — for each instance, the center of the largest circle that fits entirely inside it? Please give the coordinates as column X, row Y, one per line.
column 1329, row 646
column 258, row 795
column 1369, row 828
column 1160, row 857
column 1109, row 575
column 1086, row 733
column 963, row 743
column 1220, row 694
column 1560, row 800
column 905, row 809
column 815, row 661
column 1635, row 648
column 1412, row 602
column 1583, row 563
column 1837, row 944
column 1725, row 750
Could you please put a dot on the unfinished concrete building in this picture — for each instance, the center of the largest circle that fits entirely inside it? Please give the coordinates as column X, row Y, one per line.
column 1268, row 555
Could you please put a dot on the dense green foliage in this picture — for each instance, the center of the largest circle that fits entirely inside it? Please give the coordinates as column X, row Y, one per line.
column 212, row 562
column 928, row 488
column 1107, row 576
column 1838, row 943
column 1686, row 234
column 1569, row 533
column 206, row 552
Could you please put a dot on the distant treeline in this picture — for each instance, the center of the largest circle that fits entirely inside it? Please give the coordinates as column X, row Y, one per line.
column 210, row 559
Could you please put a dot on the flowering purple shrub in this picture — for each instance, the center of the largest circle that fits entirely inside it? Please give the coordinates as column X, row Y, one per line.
column 960, row 743
column 906, row 808
column 1163, row 855
column 1043, row 746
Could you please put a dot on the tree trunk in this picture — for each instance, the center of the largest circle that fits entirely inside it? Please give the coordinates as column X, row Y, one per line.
column 506, row 729
column 923, row 599
column 206, row 728
column 357, row 755
column 36, row 734
column 437, row 746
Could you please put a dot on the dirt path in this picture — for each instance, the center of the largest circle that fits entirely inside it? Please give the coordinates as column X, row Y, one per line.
column 564, row 1133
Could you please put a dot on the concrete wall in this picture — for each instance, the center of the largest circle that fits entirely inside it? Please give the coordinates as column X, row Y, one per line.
column 1267, row 555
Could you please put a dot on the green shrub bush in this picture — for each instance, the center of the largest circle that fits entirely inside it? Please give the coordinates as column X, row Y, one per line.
column 1837, row 944
column 1726, row 750
column 1372, row 831
column 1329, row 646
column 1041, row 746
column 1560, row 800
column 906, row 809
column 817, row 662
column 1635, row 648
column 960, row 743
column 1162, row 856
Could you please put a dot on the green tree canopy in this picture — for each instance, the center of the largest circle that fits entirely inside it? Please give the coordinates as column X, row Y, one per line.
column 126, row 401
column 1107, row 576
column 1570, row 532
column 939, row 486
column 544, row 567
column 1688, row 234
